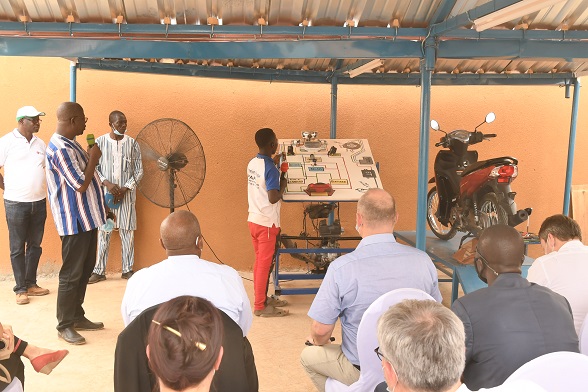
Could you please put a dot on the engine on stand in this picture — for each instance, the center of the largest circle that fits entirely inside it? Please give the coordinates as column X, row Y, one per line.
column 326, row 236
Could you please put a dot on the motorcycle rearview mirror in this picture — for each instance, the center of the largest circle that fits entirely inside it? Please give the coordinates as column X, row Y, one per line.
column 435, row 125
column 490, row 117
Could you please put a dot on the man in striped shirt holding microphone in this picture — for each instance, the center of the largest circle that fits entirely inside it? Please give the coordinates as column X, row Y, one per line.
column 78, row 209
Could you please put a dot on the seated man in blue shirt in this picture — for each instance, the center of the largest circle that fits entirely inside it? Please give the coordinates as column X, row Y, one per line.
column 378, row 265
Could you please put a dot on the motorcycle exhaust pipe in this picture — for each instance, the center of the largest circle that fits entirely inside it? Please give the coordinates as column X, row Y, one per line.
column 519, row 217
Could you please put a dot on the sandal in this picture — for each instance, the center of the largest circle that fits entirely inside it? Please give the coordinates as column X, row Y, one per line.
column 45, row 363
column 270, row 311
column 276, row 302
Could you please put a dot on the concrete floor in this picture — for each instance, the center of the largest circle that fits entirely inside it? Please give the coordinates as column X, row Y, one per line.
column 276, row 342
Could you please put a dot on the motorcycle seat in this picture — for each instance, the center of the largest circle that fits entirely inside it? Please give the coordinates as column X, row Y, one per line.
column 489, row 162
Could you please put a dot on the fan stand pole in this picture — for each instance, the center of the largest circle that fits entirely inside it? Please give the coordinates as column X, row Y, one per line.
column 172, row 188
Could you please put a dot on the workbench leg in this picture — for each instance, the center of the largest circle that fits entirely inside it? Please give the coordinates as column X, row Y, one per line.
column 454, row 286
column 277, row 288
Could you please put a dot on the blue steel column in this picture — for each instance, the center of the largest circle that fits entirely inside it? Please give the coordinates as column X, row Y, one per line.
column 72, row 81
column 571, row 147
column 427, row 66
column 333, row 134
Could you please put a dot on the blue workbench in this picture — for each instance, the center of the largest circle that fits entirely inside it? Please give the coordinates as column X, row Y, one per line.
column 441, row 252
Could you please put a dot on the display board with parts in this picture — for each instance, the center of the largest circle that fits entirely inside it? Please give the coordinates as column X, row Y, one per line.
column 328, row 169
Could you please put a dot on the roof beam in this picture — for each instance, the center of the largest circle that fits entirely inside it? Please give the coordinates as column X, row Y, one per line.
column 443, row 11
column 509, row 50
column 202, row 50
column 200, row 32
column 206, row 31
column 273, row 75
column 468, row 17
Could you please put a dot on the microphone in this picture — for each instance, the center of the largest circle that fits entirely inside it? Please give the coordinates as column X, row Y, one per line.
column 90, row 140
column 284, row 167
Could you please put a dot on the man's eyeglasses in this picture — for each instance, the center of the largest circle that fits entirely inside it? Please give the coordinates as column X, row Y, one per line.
column 381, row 356
column 85, row 118
column 34, row 120
column 480, row 257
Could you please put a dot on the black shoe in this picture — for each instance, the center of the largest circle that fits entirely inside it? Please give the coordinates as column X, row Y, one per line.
column 86, row 325
column 127, row 275
column 71, row 336
column 95, row 278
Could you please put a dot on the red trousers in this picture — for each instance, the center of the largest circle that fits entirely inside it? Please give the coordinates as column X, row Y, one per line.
column 264, row 244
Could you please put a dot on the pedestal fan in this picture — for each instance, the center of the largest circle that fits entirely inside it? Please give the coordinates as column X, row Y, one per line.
column 174, row 165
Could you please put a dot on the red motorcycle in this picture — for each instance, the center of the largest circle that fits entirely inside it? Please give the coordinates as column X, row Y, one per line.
column 470, row 195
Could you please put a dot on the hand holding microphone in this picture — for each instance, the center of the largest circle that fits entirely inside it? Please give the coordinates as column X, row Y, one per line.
column 93, row 150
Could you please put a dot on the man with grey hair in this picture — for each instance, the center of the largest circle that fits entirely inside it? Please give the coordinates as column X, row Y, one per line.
column 422, row 349
column 414, row 336
column 564, row 268
column 378, row 265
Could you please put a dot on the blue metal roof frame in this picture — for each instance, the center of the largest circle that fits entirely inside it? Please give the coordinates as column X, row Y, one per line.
column 311, row 36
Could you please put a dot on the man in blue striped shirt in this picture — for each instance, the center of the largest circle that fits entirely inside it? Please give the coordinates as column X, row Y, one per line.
column 78, row 209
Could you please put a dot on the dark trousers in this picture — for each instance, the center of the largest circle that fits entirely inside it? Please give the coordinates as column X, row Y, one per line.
column 26, row 224
column 79, row 257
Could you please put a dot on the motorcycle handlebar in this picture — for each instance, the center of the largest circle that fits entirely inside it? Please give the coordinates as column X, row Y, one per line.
column 490, row 135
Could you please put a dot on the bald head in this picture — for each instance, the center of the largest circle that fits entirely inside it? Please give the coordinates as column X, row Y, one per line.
column 503, row 248
column 179, row 232
column 377, row 208
column 67, row 110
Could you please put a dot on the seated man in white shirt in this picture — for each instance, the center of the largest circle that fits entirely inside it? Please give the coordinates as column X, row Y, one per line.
column 185, row 273
column 564, row 268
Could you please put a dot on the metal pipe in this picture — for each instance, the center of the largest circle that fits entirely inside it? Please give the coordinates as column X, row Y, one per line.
column 571, row 147
column 72, row 81
column 333, row 134
column 427, row 66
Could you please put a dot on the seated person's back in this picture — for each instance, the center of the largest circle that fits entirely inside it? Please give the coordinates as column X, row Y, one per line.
column 237, row 371
column 512, row 321
column 185, row 273
column 564, row 268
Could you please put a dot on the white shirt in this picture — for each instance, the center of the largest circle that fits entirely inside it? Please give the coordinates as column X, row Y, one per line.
column 24, row 167
column 188, row 275
column 262, row 176
column 565, row 272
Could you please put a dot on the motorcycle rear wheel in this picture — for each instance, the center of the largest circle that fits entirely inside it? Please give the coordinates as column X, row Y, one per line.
column 491, row 212
column 439, row 229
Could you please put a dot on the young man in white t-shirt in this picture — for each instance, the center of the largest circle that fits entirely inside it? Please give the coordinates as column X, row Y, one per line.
column 265, row 187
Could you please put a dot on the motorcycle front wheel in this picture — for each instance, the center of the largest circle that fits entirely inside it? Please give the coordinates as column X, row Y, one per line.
column 491, row 212
column 439, row 229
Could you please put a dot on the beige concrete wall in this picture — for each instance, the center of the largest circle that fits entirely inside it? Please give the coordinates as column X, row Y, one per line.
column 532, row 124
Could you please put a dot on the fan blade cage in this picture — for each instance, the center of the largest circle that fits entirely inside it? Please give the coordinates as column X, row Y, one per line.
column 174, row 164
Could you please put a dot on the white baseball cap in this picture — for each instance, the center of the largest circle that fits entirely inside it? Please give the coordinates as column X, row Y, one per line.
column 28, row 111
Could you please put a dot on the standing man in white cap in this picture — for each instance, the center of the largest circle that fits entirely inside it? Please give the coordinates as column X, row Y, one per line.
column 22, row 155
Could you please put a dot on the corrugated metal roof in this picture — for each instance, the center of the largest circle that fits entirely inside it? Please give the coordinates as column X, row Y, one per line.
column 411, row 15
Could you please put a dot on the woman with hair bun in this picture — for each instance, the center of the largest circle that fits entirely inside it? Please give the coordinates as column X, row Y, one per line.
column 184, row 345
